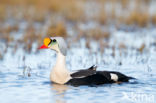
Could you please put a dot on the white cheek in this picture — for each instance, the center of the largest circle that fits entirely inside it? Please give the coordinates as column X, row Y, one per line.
column 114, row 77
column 55, row 47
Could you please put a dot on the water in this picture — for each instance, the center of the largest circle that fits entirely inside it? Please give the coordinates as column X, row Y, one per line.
column 24, row 78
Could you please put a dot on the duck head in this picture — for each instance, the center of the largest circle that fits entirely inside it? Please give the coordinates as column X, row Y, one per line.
column 55, row 43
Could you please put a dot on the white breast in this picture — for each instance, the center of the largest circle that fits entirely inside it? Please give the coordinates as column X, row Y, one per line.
column 60, row 76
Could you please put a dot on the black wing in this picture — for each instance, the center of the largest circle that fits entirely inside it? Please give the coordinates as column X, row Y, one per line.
column 95, row 79
column 98, row 77
column 85, row 72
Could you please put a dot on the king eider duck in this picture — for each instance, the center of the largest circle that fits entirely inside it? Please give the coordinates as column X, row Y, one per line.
column 60, row 74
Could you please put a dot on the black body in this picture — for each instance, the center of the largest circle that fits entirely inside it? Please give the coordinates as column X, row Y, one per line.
column 92, row 77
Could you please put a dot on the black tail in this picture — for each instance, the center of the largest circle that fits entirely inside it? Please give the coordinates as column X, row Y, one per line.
column 131, row 78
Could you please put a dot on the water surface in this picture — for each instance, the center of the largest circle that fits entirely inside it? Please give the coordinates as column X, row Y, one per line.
column 24, row 78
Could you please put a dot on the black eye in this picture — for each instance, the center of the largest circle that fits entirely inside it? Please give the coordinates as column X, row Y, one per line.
column 54, row 40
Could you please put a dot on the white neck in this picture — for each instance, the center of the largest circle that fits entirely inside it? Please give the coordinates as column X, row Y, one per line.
column 59, row 73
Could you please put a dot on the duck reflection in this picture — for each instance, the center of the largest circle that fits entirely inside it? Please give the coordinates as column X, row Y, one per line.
column 59, row 91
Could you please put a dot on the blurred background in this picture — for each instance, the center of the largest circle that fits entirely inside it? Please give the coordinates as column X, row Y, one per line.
column 24, row 22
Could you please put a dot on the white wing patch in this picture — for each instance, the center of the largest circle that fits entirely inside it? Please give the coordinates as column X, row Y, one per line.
column 80, row 77
column 114, row 77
